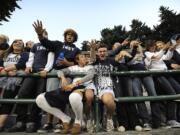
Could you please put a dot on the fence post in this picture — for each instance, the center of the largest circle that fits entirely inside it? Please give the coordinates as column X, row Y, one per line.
column 97, row 114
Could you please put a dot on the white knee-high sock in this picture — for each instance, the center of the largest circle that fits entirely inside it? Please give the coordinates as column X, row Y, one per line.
column 75, row 100
column 43, row 104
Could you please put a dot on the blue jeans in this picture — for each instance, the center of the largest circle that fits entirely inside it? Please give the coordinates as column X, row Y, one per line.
column 149, row 86
column 165, row 87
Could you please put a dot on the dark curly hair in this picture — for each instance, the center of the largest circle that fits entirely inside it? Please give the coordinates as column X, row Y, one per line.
column 102, row 45
column 73, row 32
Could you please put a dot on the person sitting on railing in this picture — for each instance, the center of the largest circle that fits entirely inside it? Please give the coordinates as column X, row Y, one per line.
column 65, row 53
column 137, row 64
column 155, row 61
column 104, row 83
column 14, row 60
column 55, row 101
column 40, row 61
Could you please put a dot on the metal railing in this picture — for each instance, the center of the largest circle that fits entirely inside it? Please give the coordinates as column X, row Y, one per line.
column 119, row 99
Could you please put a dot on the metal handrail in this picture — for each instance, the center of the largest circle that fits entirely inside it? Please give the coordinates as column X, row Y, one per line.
column 118, row 99
column 121, row 73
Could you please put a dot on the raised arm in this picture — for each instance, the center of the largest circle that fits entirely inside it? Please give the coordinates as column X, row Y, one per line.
column 118, row 49
column 42, row 35
column 93, row 46
column 38, row 26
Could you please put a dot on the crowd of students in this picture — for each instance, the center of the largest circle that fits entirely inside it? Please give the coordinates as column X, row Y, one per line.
column 53, row 95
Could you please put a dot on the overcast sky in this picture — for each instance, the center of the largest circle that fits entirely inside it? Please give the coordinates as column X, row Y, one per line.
column 87, row 17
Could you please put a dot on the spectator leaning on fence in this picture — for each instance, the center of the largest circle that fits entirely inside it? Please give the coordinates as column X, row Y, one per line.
column 173, row 79
column 155, row 61
column 127, row 113
column 14, row 61
column 3, row 46
column 31, row 87
column 176, row 54
column 55, row 101
column 137, row 64
column 65, row 53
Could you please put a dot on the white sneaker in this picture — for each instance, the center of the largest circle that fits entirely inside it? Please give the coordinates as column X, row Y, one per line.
column 173, row 124
column 138, row 128
column 147, row 127
column 58, row 128
column 83, row 125
column 109, row 126
column 90, row 126
column 164, row 126
column 121, row 129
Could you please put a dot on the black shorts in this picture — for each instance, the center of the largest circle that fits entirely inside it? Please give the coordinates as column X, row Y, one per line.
column 58, row 98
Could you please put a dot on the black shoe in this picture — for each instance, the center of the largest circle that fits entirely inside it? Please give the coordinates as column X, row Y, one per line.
column 1, row 129
column 18, row 127
column 31, row 127
column 45, row 128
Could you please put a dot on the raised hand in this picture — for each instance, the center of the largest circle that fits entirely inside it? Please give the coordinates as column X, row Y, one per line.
column 93, row 44
column 38, row 26
column 121, row 55
column 125, row 42
column 134, row 43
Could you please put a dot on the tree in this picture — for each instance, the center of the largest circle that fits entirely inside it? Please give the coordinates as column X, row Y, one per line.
column 7, row 7
column 169, row 24
column 85, row 46
column 110, row 36
column 139, row 30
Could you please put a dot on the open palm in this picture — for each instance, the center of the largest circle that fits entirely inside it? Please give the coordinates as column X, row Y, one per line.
column 38, row 27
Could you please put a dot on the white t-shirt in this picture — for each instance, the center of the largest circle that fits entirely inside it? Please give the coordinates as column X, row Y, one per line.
column 158, row 63
column 11, row 59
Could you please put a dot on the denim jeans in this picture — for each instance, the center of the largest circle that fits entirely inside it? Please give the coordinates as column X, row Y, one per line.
column 164, row 87
column 126, row 112
column 149, row 86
